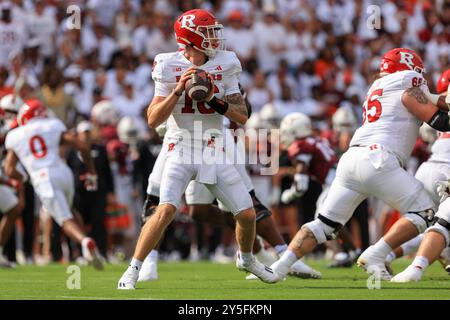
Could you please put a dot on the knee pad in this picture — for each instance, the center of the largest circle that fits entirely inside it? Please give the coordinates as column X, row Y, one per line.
column 323, row 229
column 422, row 219
column 443, row 227
column 150, row 204
column 261, row 210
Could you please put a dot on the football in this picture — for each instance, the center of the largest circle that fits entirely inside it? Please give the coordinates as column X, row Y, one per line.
column 199, row 86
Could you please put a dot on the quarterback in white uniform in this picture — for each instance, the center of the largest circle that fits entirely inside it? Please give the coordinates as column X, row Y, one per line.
column 35, row 143
column 373, row 166
column 194, row 137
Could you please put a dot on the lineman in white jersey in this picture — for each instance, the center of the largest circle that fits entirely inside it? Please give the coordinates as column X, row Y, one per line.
column 434, row 172
column 35, row 143
column 393, row 112
column 194, row 138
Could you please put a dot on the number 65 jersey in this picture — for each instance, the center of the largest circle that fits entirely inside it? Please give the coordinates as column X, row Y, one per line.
column 37, row 144
column 167, row 70
column 386, row 121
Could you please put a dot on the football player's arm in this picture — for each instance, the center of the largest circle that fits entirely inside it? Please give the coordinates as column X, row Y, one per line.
column 10, row 165
column 161, row 107
column 85, row 151
column 417, row 103
column 442, row 101
column 234, row 106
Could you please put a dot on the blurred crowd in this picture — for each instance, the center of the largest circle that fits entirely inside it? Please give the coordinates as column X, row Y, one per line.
column 311, row 56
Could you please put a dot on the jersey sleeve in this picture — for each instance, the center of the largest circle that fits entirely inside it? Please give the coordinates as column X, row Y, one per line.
column 233, row 70
column 58, row 125
column 11, row 139
column 412, row 79
column 161, row 87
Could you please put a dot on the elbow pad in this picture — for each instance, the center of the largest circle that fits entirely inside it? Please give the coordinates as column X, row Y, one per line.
column 440, row 121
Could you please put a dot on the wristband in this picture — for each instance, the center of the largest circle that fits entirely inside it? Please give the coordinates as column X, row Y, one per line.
column 218, row 105
column 178, row 95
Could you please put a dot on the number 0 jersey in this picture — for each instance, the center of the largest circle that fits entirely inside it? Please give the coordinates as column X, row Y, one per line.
column 386, row 120
column 37, row 143
column 168, row 68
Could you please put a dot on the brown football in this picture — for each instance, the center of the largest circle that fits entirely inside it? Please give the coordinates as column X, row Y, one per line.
column 199, row 86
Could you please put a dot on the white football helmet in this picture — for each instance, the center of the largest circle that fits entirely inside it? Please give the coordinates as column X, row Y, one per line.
column 294, row 126
column 11, row 103
column 270, row 114
column 344, row 120
column 256, row 122
column 131, row 129
column 105, row 113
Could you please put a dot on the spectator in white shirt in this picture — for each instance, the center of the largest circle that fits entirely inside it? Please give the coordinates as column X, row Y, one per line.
column 43, row 27
column 240, row 39
column 270, row 38
column 259, row 94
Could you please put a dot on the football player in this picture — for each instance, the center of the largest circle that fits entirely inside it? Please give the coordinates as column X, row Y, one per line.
column 194, row 137
column 35, row 143
column 435, row 172
column 394, row 109
column 11, row 191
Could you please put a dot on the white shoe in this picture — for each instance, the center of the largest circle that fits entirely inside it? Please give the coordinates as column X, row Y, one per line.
column 411, row 273
column 263, row 272
column 128, row 279
column 373, row 264
column 149, row 270
column 90, row 253
column 302, row 270
column 4, row 263
column 444, row 259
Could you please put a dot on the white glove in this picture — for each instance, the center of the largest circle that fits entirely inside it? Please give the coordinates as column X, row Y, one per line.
column 301, row 182
column 161, row 129
column 290, row 195
column 442, row 188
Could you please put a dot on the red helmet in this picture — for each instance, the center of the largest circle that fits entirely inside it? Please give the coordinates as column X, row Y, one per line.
column 443, row 82
column 400, row 59
column 31, row 109
column 199, row 29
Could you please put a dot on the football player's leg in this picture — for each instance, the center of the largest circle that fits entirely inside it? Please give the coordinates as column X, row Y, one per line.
column 335, row 212
column 149, row 268
column 11, row 208
column 436, row 239
column 405, row 193
column 173, row 186
column 231, row 191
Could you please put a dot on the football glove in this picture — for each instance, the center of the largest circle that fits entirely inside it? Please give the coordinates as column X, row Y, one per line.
column 442, row 188
column 90, row 181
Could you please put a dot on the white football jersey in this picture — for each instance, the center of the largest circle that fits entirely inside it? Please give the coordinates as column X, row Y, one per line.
column 386, row 121
column 441, row 148
column 168, row 68
column 37, row 144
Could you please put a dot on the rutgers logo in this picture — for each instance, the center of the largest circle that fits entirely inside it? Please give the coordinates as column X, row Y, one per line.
column 171, row 146
column 407, row 58
column 187, row 21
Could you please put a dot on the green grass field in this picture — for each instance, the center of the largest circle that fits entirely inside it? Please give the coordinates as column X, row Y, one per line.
column 203, row 280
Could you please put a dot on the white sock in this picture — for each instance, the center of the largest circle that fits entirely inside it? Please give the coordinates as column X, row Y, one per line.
column 390, row 257
column 412, row 245
column 283, row 265
column 246, row 256
column 420, row 263
column 153, row 256
column 280, row 249
column 382, row 248
column 136, row 264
